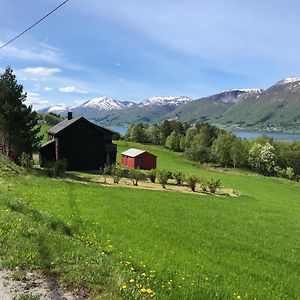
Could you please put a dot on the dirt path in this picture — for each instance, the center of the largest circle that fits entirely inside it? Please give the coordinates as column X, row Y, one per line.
column 33, row 284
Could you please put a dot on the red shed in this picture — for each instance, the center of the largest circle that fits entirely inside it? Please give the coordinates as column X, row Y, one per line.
column 135, row 158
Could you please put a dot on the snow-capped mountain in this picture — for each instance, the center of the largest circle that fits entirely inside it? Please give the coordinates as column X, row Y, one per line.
column 168, row 100
column 58, row 109
column 288, row 80
column 235, row 95
column 105, row 103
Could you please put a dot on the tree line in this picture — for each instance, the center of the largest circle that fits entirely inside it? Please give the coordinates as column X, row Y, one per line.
column 205, row 143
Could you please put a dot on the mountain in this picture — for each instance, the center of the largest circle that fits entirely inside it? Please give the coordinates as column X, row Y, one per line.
column 276, row 108
column 210, row 109
column 58, row 109
column 92, row 108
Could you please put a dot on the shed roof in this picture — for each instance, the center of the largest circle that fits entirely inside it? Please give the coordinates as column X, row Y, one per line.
column 132, row 152
column 48, row 143
column 66, row 123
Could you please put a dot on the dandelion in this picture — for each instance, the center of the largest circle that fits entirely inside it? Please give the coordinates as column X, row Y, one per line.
column 143, row 290
column 124, row 286
column 238, row 297
column 143, row 274
column 131, row 280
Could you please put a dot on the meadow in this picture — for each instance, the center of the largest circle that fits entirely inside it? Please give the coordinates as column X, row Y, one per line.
column 127, row 243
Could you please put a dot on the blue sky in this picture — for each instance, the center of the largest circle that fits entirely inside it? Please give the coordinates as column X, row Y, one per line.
column 132, row 50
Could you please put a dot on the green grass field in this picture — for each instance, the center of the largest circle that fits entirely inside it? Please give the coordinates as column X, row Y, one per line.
column 140, row 244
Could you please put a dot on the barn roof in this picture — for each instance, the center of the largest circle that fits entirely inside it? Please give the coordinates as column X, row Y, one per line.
column 48, row 143
column 132, row 152
column 58, row 128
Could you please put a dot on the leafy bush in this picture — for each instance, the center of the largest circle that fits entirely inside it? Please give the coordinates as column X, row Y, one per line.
column 163, row 176
column 105, row 172
column 152, row 175
column 179, row 177
column 135, row 175
column 290, row 173
column 203, row 184
column 213, row 185
column 116, row 172
column 57, row 168
column 192, row 181
column 26, row 161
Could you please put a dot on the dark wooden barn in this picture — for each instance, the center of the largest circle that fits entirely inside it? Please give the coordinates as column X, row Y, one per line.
column 84, row 145
column 135, row 158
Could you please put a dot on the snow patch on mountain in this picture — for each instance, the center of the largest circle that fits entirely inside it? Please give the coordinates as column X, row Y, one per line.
column 105, row 103
column 288, row 80
column 165, row 100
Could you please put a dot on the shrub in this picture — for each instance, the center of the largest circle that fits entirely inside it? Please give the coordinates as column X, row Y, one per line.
column 290, row 173
column 57, row 168
column 203, row 184
column 26, row 161
column 163, row 177
column 213, row 185
column 135, row 175
column 192, row 181
column 179, row 177
column 152, row 175
column 116, row 172
column 105, row 172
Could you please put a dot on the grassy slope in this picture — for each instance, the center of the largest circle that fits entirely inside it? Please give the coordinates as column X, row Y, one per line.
column 210, row 247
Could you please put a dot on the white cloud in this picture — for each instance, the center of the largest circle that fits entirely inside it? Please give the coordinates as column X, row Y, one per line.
column 71, row 89
column 35, row 101
column 40, row 52
column 41, row 71
column 48, row 89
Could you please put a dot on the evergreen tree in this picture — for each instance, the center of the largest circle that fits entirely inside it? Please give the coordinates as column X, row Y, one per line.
column 18, row 130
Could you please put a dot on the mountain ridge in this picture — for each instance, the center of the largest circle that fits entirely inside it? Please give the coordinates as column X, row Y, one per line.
column 275, row 108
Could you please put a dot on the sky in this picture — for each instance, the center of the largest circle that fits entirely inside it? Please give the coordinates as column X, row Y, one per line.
column 135, row 49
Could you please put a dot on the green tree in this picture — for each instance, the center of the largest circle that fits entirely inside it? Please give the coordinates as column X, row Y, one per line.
column 199, row 149
column 173, row 141
column 18, row 123
column 153, row 135
column 221, row 149
column 138, row 133
column 239, row 152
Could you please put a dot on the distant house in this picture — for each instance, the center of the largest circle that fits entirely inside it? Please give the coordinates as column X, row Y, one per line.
column 135, row 158
column 85, row 146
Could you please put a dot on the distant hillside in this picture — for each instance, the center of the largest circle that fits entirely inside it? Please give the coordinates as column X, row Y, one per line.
column 210, row 109
column 276, row 108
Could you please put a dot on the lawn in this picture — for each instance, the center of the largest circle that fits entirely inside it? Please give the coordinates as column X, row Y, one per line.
column 139, row 244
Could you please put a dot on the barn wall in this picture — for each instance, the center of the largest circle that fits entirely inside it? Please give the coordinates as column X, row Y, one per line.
column 83, row 146
column 146, row 161
column 47, row 153
column 128, row 162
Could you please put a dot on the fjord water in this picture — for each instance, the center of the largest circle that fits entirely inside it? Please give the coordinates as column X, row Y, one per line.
column 278, row 136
